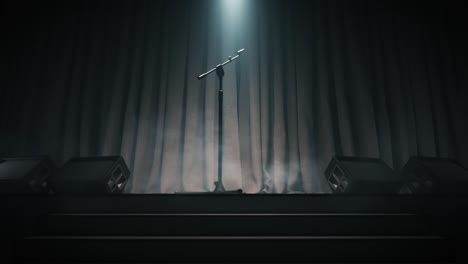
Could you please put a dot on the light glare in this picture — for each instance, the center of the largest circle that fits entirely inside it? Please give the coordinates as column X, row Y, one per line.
column 233, row 9
column 232, row 5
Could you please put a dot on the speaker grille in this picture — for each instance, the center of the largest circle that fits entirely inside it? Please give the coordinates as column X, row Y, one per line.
column 338, row 180
column 118, row 180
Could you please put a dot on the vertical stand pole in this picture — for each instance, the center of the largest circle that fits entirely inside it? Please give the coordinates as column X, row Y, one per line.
column 219, row 184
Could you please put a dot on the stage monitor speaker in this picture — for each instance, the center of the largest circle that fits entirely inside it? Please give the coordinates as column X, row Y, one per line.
column 356, row 175
column 91, row 176
column 424, row 175
column 25, row 175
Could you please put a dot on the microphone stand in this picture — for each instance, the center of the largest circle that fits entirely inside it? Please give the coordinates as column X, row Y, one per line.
column 220, row 73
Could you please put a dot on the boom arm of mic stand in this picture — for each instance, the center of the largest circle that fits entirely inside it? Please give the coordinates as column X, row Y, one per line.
column 206, row 73
column 221, row 65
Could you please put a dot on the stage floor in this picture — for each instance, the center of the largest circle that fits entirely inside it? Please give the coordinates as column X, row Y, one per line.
column 219, row 228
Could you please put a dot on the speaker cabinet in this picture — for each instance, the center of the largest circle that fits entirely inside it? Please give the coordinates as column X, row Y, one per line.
column 25, row 175
column 361, row 176
column 434, row 175
column 92, row 175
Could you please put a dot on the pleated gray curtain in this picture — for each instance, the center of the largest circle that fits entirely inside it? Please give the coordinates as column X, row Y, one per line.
column 318, row 78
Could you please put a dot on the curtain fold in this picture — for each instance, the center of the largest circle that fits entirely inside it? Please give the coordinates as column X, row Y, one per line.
column 318, row 78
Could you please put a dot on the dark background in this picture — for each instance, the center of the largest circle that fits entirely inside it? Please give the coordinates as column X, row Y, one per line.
column 384, row 79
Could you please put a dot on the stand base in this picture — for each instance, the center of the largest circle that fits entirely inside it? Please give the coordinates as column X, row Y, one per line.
column 238, row 191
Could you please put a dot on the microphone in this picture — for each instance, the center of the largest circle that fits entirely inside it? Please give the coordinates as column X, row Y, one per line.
column 239, row 51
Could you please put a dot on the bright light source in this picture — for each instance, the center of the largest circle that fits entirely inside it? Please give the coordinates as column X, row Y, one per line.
column 233, row 10
column 232, row 4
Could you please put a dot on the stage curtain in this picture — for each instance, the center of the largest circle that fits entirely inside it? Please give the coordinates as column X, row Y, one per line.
column 318, row 78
